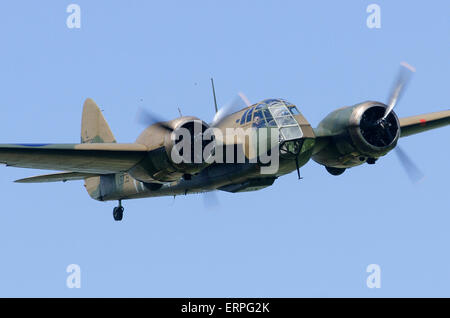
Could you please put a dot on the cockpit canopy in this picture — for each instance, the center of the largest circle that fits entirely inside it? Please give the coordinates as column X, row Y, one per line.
column 274, row 113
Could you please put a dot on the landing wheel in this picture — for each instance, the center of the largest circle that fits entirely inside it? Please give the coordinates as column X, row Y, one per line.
column 118, row 212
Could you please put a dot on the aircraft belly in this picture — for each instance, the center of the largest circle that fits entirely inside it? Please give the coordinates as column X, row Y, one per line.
column 114, row 187
column 227, row 176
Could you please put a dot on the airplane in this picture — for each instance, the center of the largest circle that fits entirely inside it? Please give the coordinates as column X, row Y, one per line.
column 349, row 136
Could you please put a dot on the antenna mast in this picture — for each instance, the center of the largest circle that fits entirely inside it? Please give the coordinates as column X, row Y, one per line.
column 214, row 94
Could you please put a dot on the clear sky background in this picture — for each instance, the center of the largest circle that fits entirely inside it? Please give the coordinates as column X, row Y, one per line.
column 313, row 237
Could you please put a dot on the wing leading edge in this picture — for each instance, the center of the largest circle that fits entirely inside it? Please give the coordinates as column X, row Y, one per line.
column 92, row 158
column 420, row 123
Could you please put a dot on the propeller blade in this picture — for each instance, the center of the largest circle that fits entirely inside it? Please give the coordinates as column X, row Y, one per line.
column 245, row 99
column 413, row 172
column 210, row 200
column 403, row 77
column 237, row 103
column 146, row 118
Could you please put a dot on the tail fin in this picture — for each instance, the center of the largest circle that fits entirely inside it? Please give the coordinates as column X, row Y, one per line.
column 94, row 128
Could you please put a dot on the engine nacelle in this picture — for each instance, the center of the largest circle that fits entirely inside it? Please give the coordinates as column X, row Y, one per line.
column 356, row 135
column 160, row 164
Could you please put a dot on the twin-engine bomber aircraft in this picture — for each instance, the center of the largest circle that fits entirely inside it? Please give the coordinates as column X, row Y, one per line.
column 347, row 137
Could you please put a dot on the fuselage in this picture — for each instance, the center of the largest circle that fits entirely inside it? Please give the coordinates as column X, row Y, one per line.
column 295, row 133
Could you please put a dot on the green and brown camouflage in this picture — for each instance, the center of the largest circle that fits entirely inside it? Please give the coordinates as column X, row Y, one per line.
column 118, row 171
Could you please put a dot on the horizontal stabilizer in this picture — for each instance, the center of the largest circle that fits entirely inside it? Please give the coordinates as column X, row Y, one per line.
column 55, row 177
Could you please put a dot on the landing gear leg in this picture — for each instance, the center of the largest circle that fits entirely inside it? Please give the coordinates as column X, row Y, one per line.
column 298, row 168
column 118, row 212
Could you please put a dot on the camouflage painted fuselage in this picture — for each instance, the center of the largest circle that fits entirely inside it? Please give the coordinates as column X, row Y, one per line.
column 231, row 177
column 117, row 171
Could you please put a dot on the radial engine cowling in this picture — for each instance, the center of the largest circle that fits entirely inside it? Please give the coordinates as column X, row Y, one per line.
column 350, row 136
column 160, row 164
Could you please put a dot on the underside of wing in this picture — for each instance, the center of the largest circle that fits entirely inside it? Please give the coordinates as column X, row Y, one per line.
column 417, row 124
column 55, row 177
column 95, row 158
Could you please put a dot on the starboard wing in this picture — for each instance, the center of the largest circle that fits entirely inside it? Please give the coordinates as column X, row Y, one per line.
column 420, row 123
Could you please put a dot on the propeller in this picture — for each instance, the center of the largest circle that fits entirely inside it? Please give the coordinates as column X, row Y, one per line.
column 147, row 118
column 238, row 102
column 210, row 200
column 404, row 76
column 413, row 172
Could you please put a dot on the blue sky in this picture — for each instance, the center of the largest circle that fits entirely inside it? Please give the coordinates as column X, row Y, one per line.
column 313, row 237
